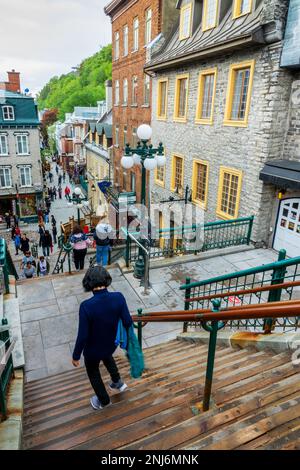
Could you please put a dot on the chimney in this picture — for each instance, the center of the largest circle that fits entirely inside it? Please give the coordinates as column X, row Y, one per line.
column 13, row 83
column 108, row 91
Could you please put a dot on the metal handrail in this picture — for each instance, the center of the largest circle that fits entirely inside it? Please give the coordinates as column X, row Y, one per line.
column 147, row 262
column 246, row 272
column 214, row 320
column 283, row 285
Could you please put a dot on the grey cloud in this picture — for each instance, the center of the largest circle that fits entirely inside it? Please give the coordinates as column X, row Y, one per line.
column 42, row 38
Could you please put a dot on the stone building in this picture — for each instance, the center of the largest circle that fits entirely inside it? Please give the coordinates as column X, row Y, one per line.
column 136, row 28
column 21, row 183
column 222, row 102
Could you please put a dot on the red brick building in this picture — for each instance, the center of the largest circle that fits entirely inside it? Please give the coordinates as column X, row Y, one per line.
column 136, row 26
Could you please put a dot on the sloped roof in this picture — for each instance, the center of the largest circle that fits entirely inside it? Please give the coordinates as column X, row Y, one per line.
column 25, row 109
column 228, row 31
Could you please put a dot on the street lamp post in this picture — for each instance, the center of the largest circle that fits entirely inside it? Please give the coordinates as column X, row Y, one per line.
column 79, row 202
column 149, row 158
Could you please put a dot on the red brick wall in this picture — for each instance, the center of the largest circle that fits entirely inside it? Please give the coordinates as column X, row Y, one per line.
column 127, row 67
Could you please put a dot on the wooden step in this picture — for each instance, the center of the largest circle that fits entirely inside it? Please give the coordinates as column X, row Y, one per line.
column 255, row 404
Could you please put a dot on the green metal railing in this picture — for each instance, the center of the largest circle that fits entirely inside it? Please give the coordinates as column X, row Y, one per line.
column 6, row 368
column 6, row 264
column 168, row 242
column 247, row 287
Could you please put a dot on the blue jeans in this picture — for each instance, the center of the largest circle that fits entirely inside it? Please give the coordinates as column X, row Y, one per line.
column 46, row 251
column 102, row 254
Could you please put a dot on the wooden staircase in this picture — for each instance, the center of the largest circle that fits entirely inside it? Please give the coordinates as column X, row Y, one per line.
column 256, row 404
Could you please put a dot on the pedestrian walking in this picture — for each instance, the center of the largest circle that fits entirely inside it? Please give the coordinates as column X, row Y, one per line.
column 53, row 220
column 29, row 271
column 54, row 234
column 57, row 169
column 16, row 220
column 50, row 176
column 27, row 258
column 60, row 192
column 46, row 243
column 41, row 231
column 43, row 267
column 46, row 216
column 64, row 177
column 103, row 238
column 48, row 203
column 59, row 180
column 24, row 243
column 67, row 192
column 17, row 242
column 8, row 220
column 54, row 191
column 80, row 243
column 99, row 317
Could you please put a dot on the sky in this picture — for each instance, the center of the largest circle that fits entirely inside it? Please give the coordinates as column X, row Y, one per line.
column 43, row 38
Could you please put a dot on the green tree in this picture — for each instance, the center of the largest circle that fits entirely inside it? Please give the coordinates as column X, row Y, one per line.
column 81, row 88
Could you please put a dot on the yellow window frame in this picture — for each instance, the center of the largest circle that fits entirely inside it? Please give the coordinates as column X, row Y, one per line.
column 230, row 93
column 177, row 96
column 232, row 172
column 157, row 180
column 205, row 5
column 173, row 172
column 196, row 162
column 237, row 9
column 162, row 117
column 201, row 81
column 182, row 11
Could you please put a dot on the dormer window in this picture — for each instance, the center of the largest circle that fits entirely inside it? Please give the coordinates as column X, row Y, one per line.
column 210, row 12
column 8, row 113
column 241, row 7
column 185, row 22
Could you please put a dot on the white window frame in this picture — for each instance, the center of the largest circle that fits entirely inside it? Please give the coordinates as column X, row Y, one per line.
column 135, row 47
column 9, row 111
column 147, row 82
column 27, row 144
column 125, row 82
column 5, row 175
column 125, row 40
column 27, row 177
column 148, row 26
column 117, row 93
column 3, row 154
column 117, row 45
column 134, row 90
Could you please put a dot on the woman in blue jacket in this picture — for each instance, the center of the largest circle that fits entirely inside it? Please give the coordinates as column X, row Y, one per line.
column 98, row 324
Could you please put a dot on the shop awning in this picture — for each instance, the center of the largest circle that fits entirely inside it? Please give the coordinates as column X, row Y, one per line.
column 285, row 174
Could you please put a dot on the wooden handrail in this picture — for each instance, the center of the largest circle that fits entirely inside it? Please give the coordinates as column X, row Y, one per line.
column 254, row 290
column 245, row 312
column 5, row 358
column 208, row 310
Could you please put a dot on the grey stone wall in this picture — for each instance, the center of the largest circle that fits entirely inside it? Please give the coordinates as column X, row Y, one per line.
column 14, row 160
column 245, row 149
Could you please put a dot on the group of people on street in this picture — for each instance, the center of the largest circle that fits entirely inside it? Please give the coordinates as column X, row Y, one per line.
column 81, row 241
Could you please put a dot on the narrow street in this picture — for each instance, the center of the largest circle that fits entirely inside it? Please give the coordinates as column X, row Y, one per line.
column 61, row 211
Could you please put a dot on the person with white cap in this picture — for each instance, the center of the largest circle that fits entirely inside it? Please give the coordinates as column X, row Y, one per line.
column 103, row 236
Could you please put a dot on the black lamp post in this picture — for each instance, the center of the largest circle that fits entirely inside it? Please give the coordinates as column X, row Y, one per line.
column 149, row 158
column 79, row 202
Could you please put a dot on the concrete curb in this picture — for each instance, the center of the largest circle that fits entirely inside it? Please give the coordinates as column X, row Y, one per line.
column 277, row 342
column 11, row 429
column 182, row 259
